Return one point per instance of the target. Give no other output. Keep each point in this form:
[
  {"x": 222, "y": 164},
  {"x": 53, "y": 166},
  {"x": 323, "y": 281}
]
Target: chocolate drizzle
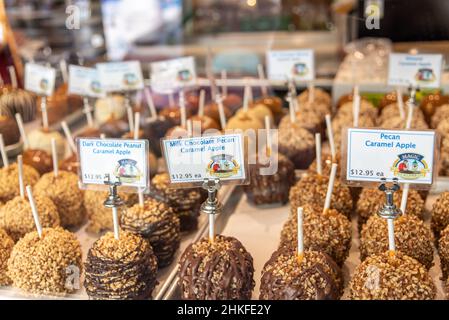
[
  {"x": 316, "y": 277},
  {"x": 133, "y": 277},
  {"x": 222, "y": 270}
]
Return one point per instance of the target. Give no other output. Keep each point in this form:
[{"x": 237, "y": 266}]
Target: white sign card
[
  {"x": 84, "y": 82},
  {"x": 373, "y": 154},
  {"x": 40, "y": 79},
  {"x": 191, "y": 160},
  {"x": 298, "y": 65},
  {"x": 121, "y": 76},
  {"x": 171, "y": 75},
  {"x": 124, "y": 160},
  {"x": 423, "y": 70}
]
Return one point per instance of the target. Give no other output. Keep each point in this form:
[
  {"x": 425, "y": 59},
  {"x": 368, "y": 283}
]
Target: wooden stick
[
  {"x": 319, "y": 167},
  {"x": 55, "y": 157},
  {"x": 224, "y": 87},
  {"x": 221, "y": 112},
  {"x": 136, "y": 125},
  {"x": 23, "y": 134},
  {"x": 391, "y": 241},
  {"x": 13, "y": 76},
  {"x": 400, "y": 103},
  {"x": 3, "y": 152},
  {"x": 262, "y": 79},
  {"x": 69, "y": 136},
  {"x": 129, "y": 110},
  {"x": 330, "y": 135},
  {"x": 330, "y": 188},
  {"x": 269, "y": 138},
  {"x": 182, "y": 105},
  {"x": 34, "y": 211},
  {"x": 202, "y": 102},
  {"x": 300, "y": 230},
  {"x": 21, "y": 184},
  {"x": 44, "y": 112},
  {"x": 87, "y": 111},
  {"x": 150, "y": 103}
]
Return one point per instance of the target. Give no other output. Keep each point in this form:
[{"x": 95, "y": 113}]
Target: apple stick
[
  {"x": 292, "y": 109},
  {"x": 269, "y": 139},
  {"x": 44, "y": 112},
  {"x": 391, "y": 241},
  {"x": 246, "y": 98},
  {"x": 64, "y": 72},
  {"x": 13, "y": 76},
  {"x": 136, "y": 125},
  {"x": 19, "y": 120},
  {"x": 262, "y": 78},
  {"x": 68, "y": 136},
  {"x": 182, "y": 105},
  {"x": 311, "y": 90},
  {"x": 189, "y": 128},
  {"x": 129, "y": 110},
  {"x": 211, "y": 228},
  {"x": 400, "y": 103},
  {"x": 330, "y": 135},
  {"x": 319, "y": 168},
  {"x": 34, "y": 211},
  {"x": 88, "y": 113},
  {"x": 150, "y": 103},
  {"x": 221, "y": 112},
  {"x": 102, "y": 136},
  {"x": 141, "y": 198},
  {"x": 54, "y": 155},
  {"x": 3, "y": 152},
  {"x": 300, "y": 233},
  {"x": 202, "y": 102},
  {"x": 116, "y": 223},
  {"x": 330, "y": 188},
  {"x": 411, "y": 108},
  {"x": 21, "y": 185},
  {"x": 224, "y": 79}
]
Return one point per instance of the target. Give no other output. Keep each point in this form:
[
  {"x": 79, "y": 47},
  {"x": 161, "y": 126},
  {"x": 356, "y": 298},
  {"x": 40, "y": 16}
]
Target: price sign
[
  {"x": 40, "y": 79},
  {"x": 171, "y": 75},
  {"x": 124, "y": 160},
  {"x": 84, "y": 82},
  {"x": 121, "y": 76},
  {"x": 423, "y": 70},
  {"x": 373, "y": 154},
  {"x": 191, "y": 160},
  {"x": 298, "y": 65}
]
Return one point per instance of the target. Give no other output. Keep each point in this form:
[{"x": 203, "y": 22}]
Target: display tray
[
  {"x": 165, "y": 276},
  {"x": 251, "y": 225}
]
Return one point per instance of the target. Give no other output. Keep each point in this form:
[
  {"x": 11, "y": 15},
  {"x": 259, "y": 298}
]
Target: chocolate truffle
[
  {"x": 314, "y": 276},
  {"x": 219, "y": 270},
  {"x": 40, "y": 160},
  {"x": 100, "y": 217},
  {"x": 185, "y": 202},
  {"x": 9, "y": 130},
  {"x": 297, "y": 144},
  {"x": 328, "y": 232},
  {"x": 41, "y": 140},
  {"x": 413, "y": 238},
  {"x": 9, "y": 180},
  {"x": 270, "y": 188},
  {"x": 443, "y": 251},
  {"x": 6, "y": 245},
  {"x": 156, "y": 222},
  {"x": 372, "y": 200},
  {"x": 391, "y": 277},
  {"x": 440, "y": 214},
  {"x": 123, "y": 269},
  {"x": 16, "y": 217},
  {"x": 63, "y": 190},
  {"x": 44, "y": 265},
  {"x": 312, "y": 189}
]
